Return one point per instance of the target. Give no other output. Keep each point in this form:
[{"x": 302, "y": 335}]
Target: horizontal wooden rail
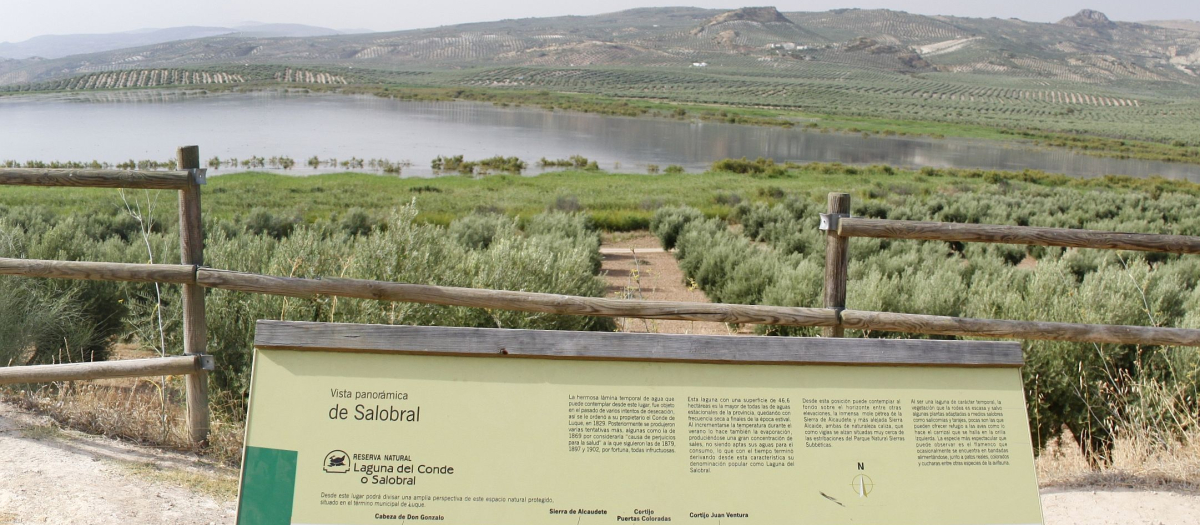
[
  {"x": 153, "y": 180},
  {"x": 728, "y": 313},
  {"x": 1006, "y": 329},
  {"x": 520, "y": 301},
  {"x": 157, "y": 366},
  {"x": 100, "y": 271},
  {"x": 562, "y": 344},
  {"x": 602, "y": 307},
  {"x": 949, "y": 231}
]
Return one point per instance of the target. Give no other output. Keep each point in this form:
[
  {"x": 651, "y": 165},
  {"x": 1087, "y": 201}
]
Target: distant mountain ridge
[
  {"x": 1087, "y": 47},
  {"x": 1185, "y": 25},
  {"x": 58, "y": 46}
]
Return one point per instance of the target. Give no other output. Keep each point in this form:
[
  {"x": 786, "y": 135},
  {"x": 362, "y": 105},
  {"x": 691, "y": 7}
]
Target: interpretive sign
[{"x": 365, "y": 424}]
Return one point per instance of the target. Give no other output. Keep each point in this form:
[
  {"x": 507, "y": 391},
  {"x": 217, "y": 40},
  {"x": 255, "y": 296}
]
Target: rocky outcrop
[
  {"x": 761, "y": 15},
  {"x": 1088, "y": 19}
]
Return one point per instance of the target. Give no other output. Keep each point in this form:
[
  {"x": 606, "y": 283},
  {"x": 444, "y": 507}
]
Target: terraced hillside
[
  {"x": 1085, "y": 74},
  {"x": 1086, "y": 47}
]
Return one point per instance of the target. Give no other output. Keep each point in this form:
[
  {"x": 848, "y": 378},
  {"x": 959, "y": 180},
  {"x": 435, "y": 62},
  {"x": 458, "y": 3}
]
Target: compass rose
[{"x": 862, "y": 485}]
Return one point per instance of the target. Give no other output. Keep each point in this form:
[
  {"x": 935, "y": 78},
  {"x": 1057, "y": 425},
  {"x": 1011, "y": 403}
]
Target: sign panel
[{"x": 365, "y": 438}]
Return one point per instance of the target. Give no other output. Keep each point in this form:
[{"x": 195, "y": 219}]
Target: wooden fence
[
  {"x": 840, "y": 227},
  {"x": 187, "y": 179},
  {"x": 834, "y": 318}
]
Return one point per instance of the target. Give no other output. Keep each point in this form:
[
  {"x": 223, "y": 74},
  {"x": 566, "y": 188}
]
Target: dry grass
[
  {"x": 143, "y": 411},
  {"x": 1137, "y": 463},
  {"x": 1157, "y": 445},
  {"x": 42, "y": 432},
  {"x": 219, "y": 487}
]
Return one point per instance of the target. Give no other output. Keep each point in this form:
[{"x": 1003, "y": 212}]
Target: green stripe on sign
[{"x": 268, "y": 487}]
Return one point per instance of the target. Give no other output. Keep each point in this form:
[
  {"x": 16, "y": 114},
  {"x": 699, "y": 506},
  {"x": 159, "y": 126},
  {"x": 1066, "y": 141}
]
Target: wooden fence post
[
  {"x": 195, "y": 326},
  {"x": 837, "y": 260}
]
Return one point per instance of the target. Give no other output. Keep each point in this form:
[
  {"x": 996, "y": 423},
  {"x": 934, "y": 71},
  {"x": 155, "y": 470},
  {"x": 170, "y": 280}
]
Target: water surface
[{"x": 119, "y": 126}]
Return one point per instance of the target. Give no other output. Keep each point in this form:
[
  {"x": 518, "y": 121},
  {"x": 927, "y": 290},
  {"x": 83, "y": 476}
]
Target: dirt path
[
  {"x": 48, "y": 475},
  {"x": 637, "y": 268}
]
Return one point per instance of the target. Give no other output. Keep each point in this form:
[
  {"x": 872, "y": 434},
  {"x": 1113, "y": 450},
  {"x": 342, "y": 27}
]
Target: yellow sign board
[{"x": 364, "y": 438}]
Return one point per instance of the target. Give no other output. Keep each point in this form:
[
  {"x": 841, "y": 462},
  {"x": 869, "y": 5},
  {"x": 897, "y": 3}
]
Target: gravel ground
[
  {"x": 48, "y": 475},
  {"x": 1103, "y": 506}
]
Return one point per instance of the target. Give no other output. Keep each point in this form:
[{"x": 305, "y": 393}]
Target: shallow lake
[{"x": 113, "y": 127}]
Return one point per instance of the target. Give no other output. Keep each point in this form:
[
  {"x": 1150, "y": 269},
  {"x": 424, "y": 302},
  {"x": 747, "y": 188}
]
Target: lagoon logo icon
[{"x": 337, "y": 462}]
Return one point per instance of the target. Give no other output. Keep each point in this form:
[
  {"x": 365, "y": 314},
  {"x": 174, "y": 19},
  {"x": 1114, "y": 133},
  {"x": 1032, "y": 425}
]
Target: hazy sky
[{"x": 22, "y": 19}]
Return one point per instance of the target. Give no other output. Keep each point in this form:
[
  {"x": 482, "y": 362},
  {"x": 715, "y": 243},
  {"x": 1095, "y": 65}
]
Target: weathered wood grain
[
  {"x": 772, "y": 315},
  {"x": 569, "y": 305},
  {"x": 947, "y": 231},
  {"x": 157, "y": 366},
  {"x": 99, "y": 271},
  {"x": 837, "y": 263},
  {"x": 520, "y": 301},
  {"x": 195, "y": 324},
  {"x": 153, "y": 180},
  {"x": 628, "y": 346},
  {"x": 997, "y": 328}
]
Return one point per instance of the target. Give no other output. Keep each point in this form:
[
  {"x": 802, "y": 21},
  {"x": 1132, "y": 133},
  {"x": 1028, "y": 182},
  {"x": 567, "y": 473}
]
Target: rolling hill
[{"x": 1086, "y": 47}]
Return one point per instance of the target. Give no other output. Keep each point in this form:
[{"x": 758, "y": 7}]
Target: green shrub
[
  {"x": 727, "y": 199},
  {"x": 620, "y": 220},
  {"x": 566, "y": 203},
  {"x": 499, "y": 164},
  {"x": 82, "y": 316},
  {"x": 556, "y": 256},
  {"x": 577, "y": 227},
  {"x": 59, "y": 320},
  {"x": 357, "y": 221},
  {"x": 771, "y": 192},
  {"x": 760, "y": 166},
  {"x": 452, "y": 164},
  {"x": 667, "y": 223},
  {"x": 787, "y": 227},
  {"x": 263, "y": 222},
  {"x": 41, "y": 326},
  {"x": 478, "y": 231},
  {"x": 749, "y": 278},
  {"x": 801, "y": 286},
  {"x": 578, "y": 162}
]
